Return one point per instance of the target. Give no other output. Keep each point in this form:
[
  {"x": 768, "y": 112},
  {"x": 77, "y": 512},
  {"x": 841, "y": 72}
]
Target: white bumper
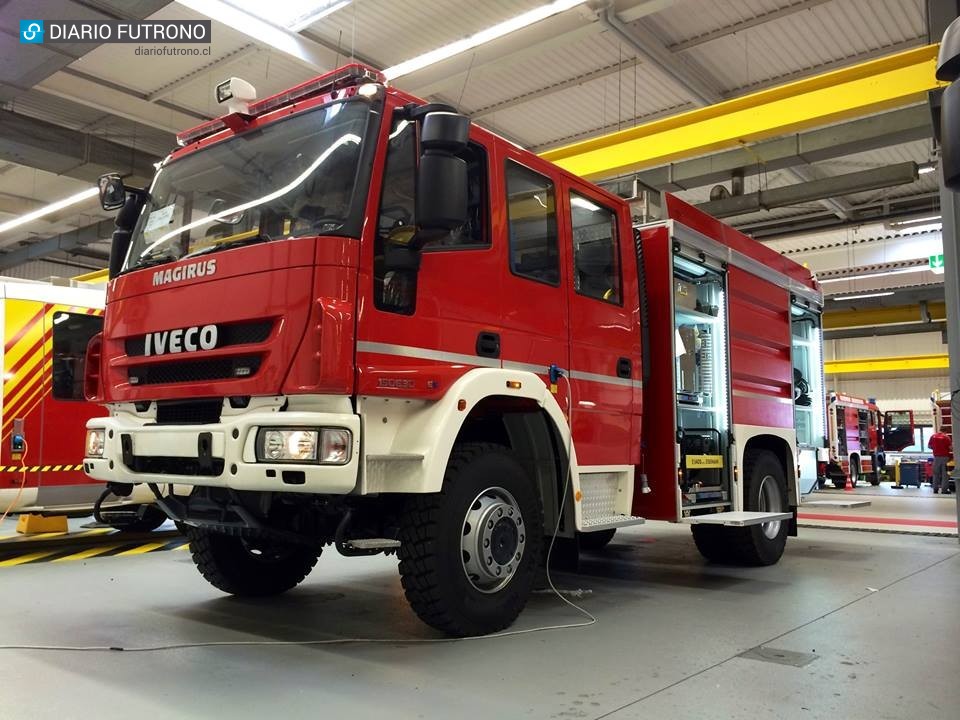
[{"x": 231, "y": 443}]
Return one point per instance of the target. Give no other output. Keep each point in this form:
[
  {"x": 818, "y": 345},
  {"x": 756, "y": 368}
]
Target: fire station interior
[{"x": 806, "y": 144}]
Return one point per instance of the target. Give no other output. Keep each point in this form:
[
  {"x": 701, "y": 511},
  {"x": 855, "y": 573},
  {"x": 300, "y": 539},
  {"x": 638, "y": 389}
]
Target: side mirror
[
  {"x": 123, "y": 231},
  {"x": 948, "y": 68},
  {"x": 113, "y": 193},
  {"x": 441, "y": 174}
]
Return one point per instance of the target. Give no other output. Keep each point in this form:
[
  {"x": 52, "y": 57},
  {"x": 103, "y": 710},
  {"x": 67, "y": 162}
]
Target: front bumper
[{"x": 219, "y": 454}]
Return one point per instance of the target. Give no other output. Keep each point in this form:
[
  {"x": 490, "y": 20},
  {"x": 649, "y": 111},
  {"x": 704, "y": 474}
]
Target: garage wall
[
  {"x": 44, "y": 269},
  {"x": 892, "y": 392}
]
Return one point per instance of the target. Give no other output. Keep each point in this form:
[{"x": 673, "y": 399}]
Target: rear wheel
[
  {"x": 250, "y": 567},
  {"x": 765, "y": 490},
  {"x": 469, "y": 554},
  {"x": 596, "y": 540}
]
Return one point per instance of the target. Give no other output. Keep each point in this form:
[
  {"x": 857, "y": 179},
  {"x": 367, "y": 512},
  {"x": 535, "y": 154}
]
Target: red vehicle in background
[
  {"x": 346, "y": 317},
  {"x": 860, "y": 435}
]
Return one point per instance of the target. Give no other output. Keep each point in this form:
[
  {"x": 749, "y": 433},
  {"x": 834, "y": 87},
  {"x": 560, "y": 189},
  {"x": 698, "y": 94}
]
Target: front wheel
[
  {"x": 469, "y": 554},
  {"x": 249, "y": 567}
]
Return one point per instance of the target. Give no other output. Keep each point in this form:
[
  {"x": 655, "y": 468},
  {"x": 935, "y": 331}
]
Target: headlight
[
  {"x": 94, "y": 443},
  {"x": 304, "y": 445}
]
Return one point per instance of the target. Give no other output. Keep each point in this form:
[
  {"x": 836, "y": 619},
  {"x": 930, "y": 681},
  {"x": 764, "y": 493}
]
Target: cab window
[
  {"x": 71, "y": 334},
  {"x": 532, "y": 215},
  {"x": 596, "y": 255}
]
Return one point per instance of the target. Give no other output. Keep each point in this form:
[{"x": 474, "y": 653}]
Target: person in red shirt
[{"x": 940, "y": 445}]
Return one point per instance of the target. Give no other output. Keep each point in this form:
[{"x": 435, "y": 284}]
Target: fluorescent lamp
[
  {"x": 484, "y": 36},
  {"x": 926, "y": 168},
  {"x": 898, "y": 271},
  {"x": 584, "y": 204},
  {"x": 294, "y": 15},
  {"x": 262, "y": 31},
  {"x": 48, "y": 209},
  {"x": 913, "y": 221},
  {"x": 860, "y": 297}
]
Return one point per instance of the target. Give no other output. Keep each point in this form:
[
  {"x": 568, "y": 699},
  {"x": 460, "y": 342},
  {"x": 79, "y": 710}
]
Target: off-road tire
[
  {"x": 233, "y": 565},
  {"x": 594, "y": 541},
  {"x": 748, "y": 545},
  {"x": 432, "y": 569}
]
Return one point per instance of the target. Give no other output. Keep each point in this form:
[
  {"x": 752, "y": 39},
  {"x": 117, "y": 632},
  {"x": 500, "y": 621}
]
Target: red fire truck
[
  {"x": 46, "y": 327},
  {"x": 340, "y": 315},
  {"x": 860, "y": 435}
]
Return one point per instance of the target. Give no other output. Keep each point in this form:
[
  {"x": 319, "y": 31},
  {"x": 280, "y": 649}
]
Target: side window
[
  {"x": 596, "y": 255},
  {"x": 532, "y": 215},
  {"x": 395, "y": 290},
  {"x": 71, "y": 334}
]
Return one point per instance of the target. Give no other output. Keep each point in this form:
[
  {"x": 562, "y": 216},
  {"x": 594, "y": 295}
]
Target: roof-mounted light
[{"x": 352, "y": 75}]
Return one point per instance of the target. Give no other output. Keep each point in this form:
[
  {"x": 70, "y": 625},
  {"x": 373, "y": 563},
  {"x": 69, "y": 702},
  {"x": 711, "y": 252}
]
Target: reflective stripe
[
  {"x": 761, "y": 396},
  {"x": 457, "y": 358},
  {"x": 609, "y": 379},
  {"x": 426, "y": 354}
]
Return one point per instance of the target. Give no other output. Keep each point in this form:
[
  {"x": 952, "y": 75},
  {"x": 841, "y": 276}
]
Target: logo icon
[{"x": 31, "y": 31}]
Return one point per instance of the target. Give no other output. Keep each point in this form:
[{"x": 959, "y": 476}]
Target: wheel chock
[{"x": 30, "y": 524}]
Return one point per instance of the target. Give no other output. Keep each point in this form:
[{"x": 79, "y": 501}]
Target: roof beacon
[{"x": 236, "y": 94}]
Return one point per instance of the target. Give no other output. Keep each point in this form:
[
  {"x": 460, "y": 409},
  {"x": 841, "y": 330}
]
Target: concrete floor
[
  {"x": 878, "y": 611},
  {"x": 913, "y": 510}
]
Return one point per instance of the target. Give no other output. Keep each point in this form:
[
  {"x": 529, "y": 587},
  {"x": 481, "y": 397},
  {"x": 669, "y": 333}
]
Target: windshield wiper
[{"x": 239, "y": 242}]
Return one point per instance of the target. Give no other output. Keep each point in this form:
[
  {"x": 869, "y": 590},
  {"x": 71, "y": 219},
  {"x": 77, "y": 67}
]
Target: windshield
[{"x": 293, "y": 178}]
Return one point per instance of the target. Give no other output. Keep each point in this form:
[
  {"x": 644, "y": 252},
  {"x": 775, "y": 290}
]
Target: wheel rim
[
  {"x": 770, "y": 500},
  {"x": 492, "y": 540}
]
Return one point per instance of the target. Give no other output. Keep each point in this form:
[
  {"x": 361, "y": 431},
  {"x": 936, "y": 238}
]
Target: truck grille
[
  {"x": 194, "y": 370},
  {"x": 236, "y": 334},
  {"x": 189, "y": 412}
]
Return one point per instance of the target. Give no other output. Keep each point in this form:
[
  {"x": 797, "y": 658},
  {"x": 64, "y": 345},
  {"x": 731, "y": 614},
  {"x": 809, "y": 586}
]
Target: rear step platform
[
  {"x": 610, "y": 522},
  {"x": 738, "y": 518}
]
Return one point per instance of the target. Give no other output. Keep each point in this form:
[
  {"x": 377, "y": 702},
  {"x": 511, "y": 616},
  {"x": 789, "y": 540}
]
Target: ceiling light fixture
[
  {"x": 913, "y": 221},
  {"x": 294, "y": 15},
  {"x": 484, "y": 36},
  {"x": 898, "y": 271},
  {"x": 925, "y": 168},
  {"x": 48, "y": 209},
  {"x": 861, "y": 297}
]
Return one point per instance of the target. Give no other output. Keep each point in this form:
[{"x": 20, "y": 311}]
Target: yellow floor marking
[
  {"x": 89, "y": 552},
  {"x": 26, "y": 558},
  {"x": 143, "y": 548},
  {"x": 185, "y": 546}
]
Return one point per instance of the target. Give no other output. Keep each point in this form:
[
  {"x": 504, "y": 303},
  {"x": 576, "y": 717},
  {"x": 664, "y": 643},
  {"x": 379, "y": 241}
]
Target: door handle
[
  {"x": 624, "y": 368},
  {"x": 488, "y": 344}
]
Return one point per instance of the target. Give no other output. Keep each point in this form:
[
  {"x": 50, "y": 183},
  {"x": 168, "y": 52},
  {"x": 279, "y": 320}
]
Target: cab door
[
  {"x": 604, "y": 337},
  {"x": 897, "y": 430},
  {"x": 64, "y": 409}
]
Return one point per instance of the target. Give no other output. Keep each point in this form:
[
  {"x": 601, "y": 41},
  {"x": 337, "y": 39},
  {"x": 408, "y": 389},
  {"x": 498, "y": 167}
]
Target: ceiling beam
[
  {"x": 742, "y": 25},
  {"x": 827, "y": 187},
  {"x": 64, "y": 242},
  {"x": 46, "y": 146},
  {"x": 561, "y": 31},
  {"x": 883, "y": 130},
  {"x": 685, "y": 73},
  {"x": 854, "y": 91},
  {"x": 556, "y": 87}
]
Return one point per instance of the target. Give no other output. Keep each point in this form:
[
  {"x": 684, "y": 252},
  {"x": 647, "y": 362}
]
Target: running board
[
  {"x": 610, "y": 522},
  {"x": 373, "y": 544},
  {"x": 738, "y": 518}
]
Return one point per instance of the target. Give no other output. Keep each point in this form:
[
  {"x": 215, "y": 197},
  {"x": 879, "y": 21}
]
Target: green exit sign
[{"x": 936, "y": 263}]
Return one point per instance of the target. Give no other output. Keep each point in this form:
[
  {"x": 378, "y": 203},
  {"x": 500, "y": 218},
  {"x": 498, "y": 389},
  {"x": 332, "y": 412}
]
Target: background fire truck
[
  {"x": 46, "y": 328},
  {"x": 340, "y": 316},
  {"x": 860, "y": 435}
]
